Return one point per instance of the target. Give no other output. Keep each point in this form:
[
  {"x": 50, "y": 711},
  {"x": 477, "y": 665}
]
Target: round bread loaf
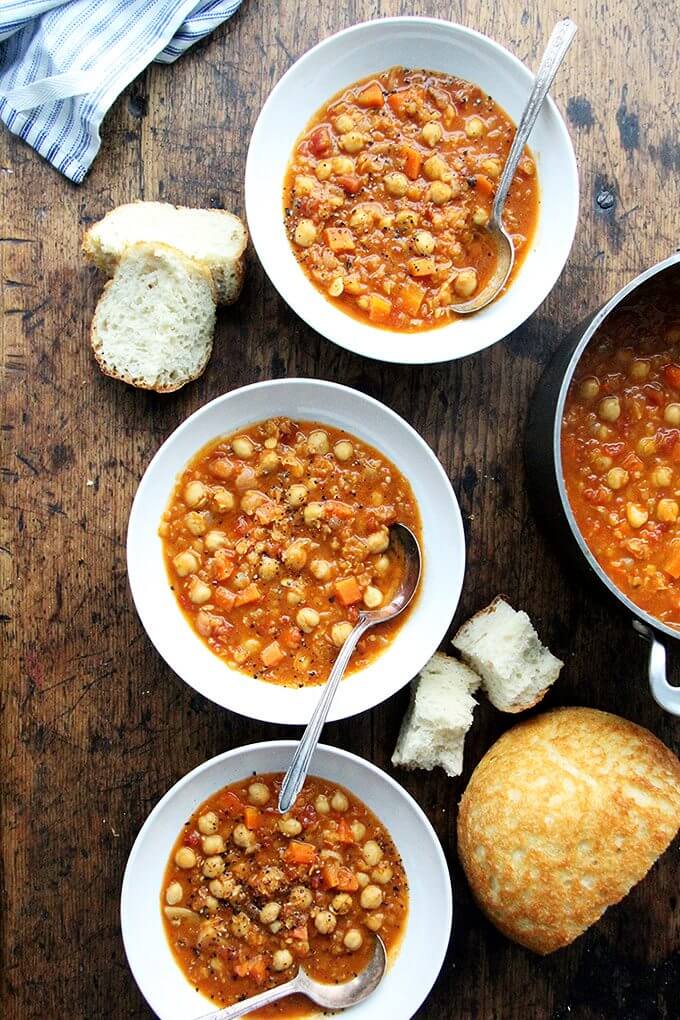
[{"x": 562, "y": 816}]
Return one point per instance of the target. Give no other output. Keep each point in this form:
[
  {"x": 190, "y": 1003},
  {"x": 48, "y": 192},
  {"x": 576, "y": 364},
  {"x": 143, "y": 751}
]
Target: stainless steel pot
[{"x": 544, "y": 464}]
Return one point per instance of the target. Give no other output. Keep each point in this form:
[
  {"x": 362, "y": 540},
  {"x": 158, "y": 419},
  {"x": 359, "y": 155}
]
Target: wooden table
[{"x": 94, "y": 725}]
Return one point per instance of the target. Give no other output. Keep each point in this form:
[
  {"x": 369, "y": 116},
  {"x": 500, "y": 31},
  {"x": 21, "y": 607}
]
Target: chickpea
[
  {"x": 353, "y": 940},
  {"x": 293, "y": 598},
  {"x": 215, "y": 540},
  {"x": 671, "y": 414},
  {"x": 340, "y": 632},
  {"x": 374, "y": 922},
  {"x": 638, "y": 369},
  {"x": 321, "y": 569},
  {"x": 601, "y": 462},
  {"x": 617, "y": 478},
  {"x": 213, "y": 866},
  {"x": 304, "y": 185},
  {"x": 342, "y": 903},
  {"x": 431, "y": 133},
  {"x": 406, "y": 219},
  {"x": 322, "y": 805},
  {"x": 609, "y": 409},
  {"x": 305, "y": 233},
  {"x": 336, "y": 287},
  {"x": 269, "y": 462},
  {"x": 185, "y": 858},
  {"x": 289, "y": 827},
  {"x": 360, "y": 219},
  {"x": 195, "y": 494},
  {"x": 436, "y": 169},
  {"x": 222, "y": 888},
  {"x": 243, "y": 837},
  {"x": 396, "y": 184},
  {"x": 325, "y": 922},
  {"x": 589, "y": 388},
  {"x": 243, "y": 447},
  {"x": 307, "y": 619},
  {"x": 474, "y": 127},
  {"x": 295, "y": 555},
  {"x": 382, "y": 565},
  {"x": 382, "y": 874},
  {"x": 223, "y": 499},
  {"x": 282, "y": 959},
  {"x": 269, "y": 913},
  {"x": 199, "y": 592},
  {"x": 343, "y": 123},
  {"x": 185, "y": 563},
  {"x": 342, "y": 165},
  {"x": 662, "y": 477},
  {"x": 372, "y": 597},
  {"x": 424, "y": 242},
  {"x": 258, "y": 794},
  {"x": 480, "y": 217},
  {"x": 212, "y": 844},
  {"x": 362, "y": 878},
  {"x": 465, "y": 283},
  {"x": 439, "y": 192},
  {"x": 323, "y": 170},
  {"x": 371, "y": 897},
  {"x": 492, "y": 167},
  {"x": 646, "y": 446},
  {"x": 173, "y": 894},
  {"x": 240, "y": 925},
  {"x": 268, "y": 568},
  {"x": 208, "y": 823},
  {"x": 372, "y": 853},
  {"x": 300, "y": 897},
  {"x": 216, "y": 964},
  {"x": 637, "y": 515},
  {"x": 195, "y": 523},
  {"x": 358, "y": 830},
  {"x": 339, "y": 801},
  {"x": 421, "y": 266},
  {"x": 318, "y": 442},
  {"x": 343, "y": 449},
  {"x": 667, "y": 510},
  {"x": 352, "y": 141},
  {"x": 378, "y": 541}
]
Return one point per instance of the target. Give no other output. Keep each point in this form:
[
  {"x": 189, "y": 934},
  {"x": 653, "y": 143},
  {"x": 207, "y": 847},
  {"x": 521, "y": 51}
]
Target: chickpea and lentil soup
[
  {"x": 275, "y": 537},
  {"x": 389, "y": 190},
  {"x": 249, "y": 894},
  {"x": 621, "y": 450}
]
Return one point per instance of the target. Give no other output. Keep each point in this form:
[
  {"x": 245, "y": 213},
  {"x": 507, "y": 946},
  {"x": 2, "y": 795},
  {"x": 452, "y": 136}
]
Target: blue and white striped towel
[{"x": 64, "y": 62}]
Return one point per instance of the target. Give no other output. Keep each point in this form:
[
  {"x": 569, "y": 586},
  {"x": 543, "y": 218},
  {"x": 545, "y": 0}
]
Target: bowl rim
[
  {"x": 342, "y": 334},
  {"x": 144, "y": 985},
  {"x": 361, "y": 702},
  {"x": 586, "y": 336}
]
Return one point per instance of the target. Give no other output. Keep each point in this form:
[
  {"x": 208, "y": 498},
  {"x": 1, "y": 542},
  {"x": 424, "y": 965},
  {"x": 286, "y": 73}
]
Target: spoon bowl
[{"x": 340, "y": 996}]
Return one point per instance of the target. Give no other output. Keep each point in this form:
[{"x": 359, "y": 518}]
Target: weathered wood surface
[{"x": 94, "y": 726}]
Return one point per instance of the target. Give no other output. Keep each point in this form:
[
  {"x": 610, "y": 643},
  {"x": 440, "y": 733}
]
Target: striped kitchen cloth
[{"x": 64, "y": 62}]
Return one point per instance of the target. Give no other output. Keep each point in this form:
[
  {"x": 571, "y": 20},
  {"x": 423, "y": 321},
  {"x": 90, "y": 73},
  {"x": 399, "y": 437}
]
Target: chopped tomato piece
[
  {"x": 255, "y": 968},
  {"x": 223, "y": 564},
  {"x": 231, "y": 804},
  {"x": 339, "y": 239},
  {"x": 412, "y": 161},
  {"x": 300, "y": 853},
  {"x": 330, "y": 872},
  {"x": 320, "y": 142},
  {"x": 300, "y": 933},
  {"x": 224, "y": 598},
  {"x": 348, "y": 591},
  {"x": 192, "y": 839},
  {"x": 344, "y": 833},
  {"x": 631, "y": 462},
  {"x": 272, "y": 654},
  {"x": 410, "y": 297},
  {"x": 349, "y": 182},
  {"x": 379, "y": 308},
  {"x": 672, "y": 564},
  {"x": 292, "y": 637},
  {"x": 371, "y": 97},
  {"x": 253, "y": 817},
  {"x": 672, "y": 375},
  {"x": 347, "y": 880},
  {"x": 336, "y": 508},
  {"x": 250, "y": 594}
]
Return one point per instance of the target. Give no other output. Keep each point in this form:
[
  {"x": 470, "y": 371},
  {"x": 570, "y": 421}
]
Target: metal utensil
[
  {"x": 340, "y": 996},
  {"x": 403, "y": 540},
  {"x": 558, "y": 44}
]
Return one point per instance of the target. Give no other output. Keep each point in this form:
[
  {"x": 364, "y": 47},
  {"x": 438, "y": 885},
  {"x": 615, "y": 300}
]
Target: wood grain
[{"x": 94, "y": 726}]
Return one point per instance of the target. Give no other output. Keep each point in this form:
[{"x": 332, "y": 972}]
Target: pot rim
[{"x": 587, "y": 336}]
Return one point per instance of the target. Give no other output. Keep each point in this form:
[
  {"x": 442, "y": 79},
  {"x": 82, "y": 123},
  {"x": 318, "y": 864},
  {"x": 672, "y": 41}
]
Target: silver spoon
[
  {"x": 558, "y": 44},
  {"x": 404, "y": 542},
  {"x": 340, "y": 996}
]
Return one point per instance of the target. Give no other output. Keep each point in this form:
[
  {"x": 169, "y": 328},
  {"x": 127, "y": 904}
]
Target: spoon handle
[
  {"x": 294, "y": 778},
  {"x": 255, "y": 1001},
  {"x": 558, "y": 44}
]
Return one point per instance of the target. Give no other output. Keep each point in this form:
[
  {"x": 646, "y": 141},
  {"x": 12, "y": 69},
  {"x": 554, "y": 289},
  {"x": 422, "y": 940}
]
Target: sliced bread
[
  {"x": 439, "y": 716},
  {"x": 153, "y": 325},
  {"x": 215, "y": 238},
  {"x": 500, "y": 644}
]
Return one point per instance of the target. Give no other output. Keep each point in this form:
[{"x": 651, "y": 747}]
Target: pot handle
[{"x": 666, "y": 695}]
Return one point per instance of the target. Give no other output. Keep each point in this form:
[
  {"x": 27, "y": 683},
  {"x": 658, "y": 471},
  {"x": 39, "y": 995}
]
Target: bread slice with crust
[
  {"x": 153, "y": 325},
  {"x": 439, "y": 716},
  {"x": 215, "y": 238},
  {"x": 500, "y": 644}
]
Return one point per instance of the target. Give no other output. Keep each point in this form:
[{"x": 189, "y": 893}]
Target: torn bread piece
[
  {"x": 500, "y": 644},
  {"x": 439, "y": 716}
]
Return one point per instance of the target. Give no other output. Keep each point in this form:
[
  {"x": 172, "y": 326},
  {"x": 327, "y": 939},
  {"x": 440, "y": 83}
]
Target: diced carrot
[
  {"x": 379, "y": 308},
  {"x": 672, "y": 564},
  {"x": 339, "y": 239},
  {"x": 371, "y": 97},
  {"x": 347, "y": 880},
  {"x": 397, "y": 102},
  {"x": 344, "y": 832},
  {"x": 224, "y": 598},
  {"x": 672, "y": 374},
  {"x": 330, "y": 872},
  {"x": 336, "y": 508},
  {"x": 250, "y": 594},
  {"x": 412, "y": 161},
  {"x": 231, "y": 804},
  {"x": 348, "y": 591},
  {"x": 300, "y": 853},
  {"x": 410, "y": 297},
  {"x": 253, "y": 817},
  {"x": 272, "y": 654},
  {"x": 349, "y": 182},
  {"x": 484, "y": 185}
]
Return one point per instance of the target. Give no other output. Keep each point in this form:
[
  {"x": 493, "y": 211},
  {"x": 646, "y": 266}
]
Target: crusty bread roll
[{"x": 562, "y": 816}]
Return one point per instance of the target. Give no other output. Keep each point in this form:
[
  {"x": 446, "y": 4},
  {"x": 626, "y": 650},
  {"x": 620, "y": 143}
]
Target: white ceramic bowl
[
  {"x": 443, "y": 548},
  {"x": 338, "y": 62},
  {"x": 413, "y": 969}
]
